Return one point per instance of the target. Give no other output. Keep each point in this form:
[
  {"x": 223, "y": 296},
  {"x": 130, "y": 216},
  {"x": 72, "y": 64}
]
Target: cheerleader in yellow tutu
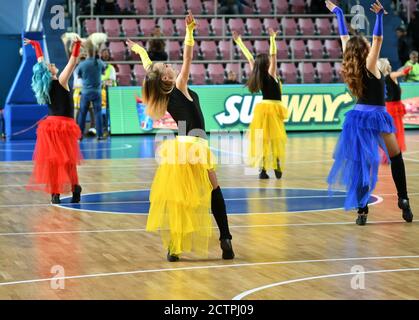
[
  {"x": 185, "y": 186},
  {"x": 267, "y": 136}
]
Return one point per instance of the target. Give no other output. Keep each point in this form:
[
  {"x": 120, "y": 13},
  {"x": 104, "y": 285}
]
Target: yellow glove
[
  {"x": 189, "y": 40},
  {"x": 243, "y": 48},
  {"x": 272, "y": 48},
  {"x": 143, "y": 54}
]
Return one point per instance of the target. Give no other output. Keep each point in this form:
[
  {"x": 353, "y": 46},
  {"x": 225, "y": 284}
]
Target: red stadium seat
[
  {"x": 298, "y": 49},
  {"x": 180, "y": 26},
  {"x": 333, "y": 48},
  {"x": 307, "y": 72},
  {"x": 167, "y": 27},
  {"x": 263, "y": 6},
  {"x": 288, "y": 73},
  {"x": 282, "y": 48},
  {"x": 117, "y": 49},
  {"x": 123, "y": 75},
  {"x": 209, "y": 7},
  {"x": 323, "y": 26},
  {"x": 280, "y": 6},
  {"x": 306, "y": 26},
  {"x": 92, "y": 26},
  {"x": 130, "y": 27},
  {"x": 195, "y": 6},
  {"x": 297, "y": 6},
  {"x": 338, "y": 68},
  {"x": 124, "y": 5},
  {"x": 176, "y": 6},
  {"x": 226, "y": 49},
  {"x": 216, "y": 73},
  {"x": 142, "y": 8},
  {"x": 235, "y": 67},
  {"x": 209, "y": 50},
  {"x": 203, "y": 28},
  {"x": 315, "y": 48},
  {"x": 139, "y": 73},
  {"x": 236, "y": 24},
  {"x": 271, "y": 23},
  {"x": 147, "y": 26},
  {"x": 217, "y": 27},
  {"x": 289, "y": 26},
  {"x": 160, "y": 7},
  {"x": 254, "y": 26},
  {"x": 198, "y": 73},
  {"x": 325, "y": 72},
  {"x": 173, "y": 50},
  {"x": 261, "y": 46}
]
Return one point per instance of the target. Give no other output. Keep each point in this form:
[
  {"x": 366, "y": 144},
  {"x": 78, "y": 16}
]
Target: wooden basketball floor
[{"x": 290, "y": 242}]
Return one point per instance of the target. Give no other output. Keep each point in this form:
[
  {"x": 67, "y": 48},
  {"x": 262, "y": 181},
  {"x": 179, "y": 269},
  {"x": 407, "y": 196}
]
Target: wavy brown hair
[
  {"x": 156, "y": 93},
  {"x": 259, "y": 72},
  {"x": 354, "y": 64}
]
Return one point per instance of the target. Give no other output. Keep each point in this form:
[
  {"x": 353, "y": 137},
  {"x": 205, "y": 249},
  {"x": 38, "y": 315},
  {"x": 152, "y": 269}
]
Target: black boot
[
  {"x": 55, "y": 198},
  {"x": 172, "y": 257},
  {"x": 407, "y": 212},
  {"x": 76, "y": 194},
  {"x": 227, "y": 248},
  {"x": 278, "y": 172},
  {"x": 263, "y": 174},
  {"x": 362, "y": 216}
]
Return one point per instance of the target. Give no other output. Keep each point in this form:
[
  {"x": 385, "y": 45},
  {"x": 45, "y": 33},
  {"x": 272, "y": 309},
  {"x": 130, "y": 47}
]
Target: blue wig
[{"x": 41, "y": 82}]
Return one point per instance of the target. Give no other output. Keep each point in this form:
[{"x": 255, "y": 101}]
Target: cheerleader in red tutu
[
  {"x": 57, "y": 152},
  {"x": 394, "y": 96}
]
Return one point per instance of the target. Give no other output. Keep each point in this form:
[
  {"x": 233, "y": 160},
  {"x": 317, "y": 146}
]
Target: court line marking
[
  {"x": 325, "y": 276},
  {"x": 311, "y": 224},
  {"x": 238, "y": 265},
  {"x": 124, "y": 147}
]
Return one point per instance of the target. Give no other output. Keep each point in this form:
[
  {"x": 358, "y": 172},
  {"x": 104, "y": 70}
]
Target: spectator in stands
[
  {"x": 2, "y": 131},
  {"x": 318, "y": 7},
  {"x": 413, "y": 76},
  {"x": 108, "y": 80},
  {"x": 402, "y": 45},
  {"x": 413, "y": 30},
  {"x": 156, "y": 46},
  {"x": 231, "y": 78},
  {"x": 107, "y": 7},
  {"x": 90, "y": 71},
  {"x": 232, "y": 6}
]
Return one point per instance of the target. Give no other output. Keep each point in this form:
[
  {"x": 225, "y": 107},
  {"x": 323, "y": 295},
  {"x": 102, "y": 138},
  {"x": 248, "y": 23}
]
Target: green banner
[{"x": 310, "y": 107}]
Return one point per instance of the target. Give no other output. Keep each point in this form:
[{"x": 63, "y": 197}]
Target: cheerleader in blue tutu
[{"x": 368, "y": 125}]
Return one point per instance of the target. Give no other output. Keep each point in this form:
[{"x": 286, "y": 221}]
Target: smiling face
[{"x": 168, "y": 73}]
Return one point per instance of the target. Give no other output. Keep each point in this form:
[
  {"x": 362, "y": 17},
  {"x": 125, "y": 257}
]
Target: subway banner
[{"x": 230, "y": 107}]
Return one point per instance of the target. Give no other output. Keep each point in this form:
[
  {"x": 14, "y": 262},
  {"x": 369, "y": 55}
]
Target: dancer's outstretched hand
[
  {"x": 190, "y": 21},
  {"x": 272, "y": 32},
  {"x": 236, "y": 36},
  {"x": 26, "y": 41},
  {"x": 130, "y": 43},
  {"x": 377, "y": 7},
  {"x": 330, "y": 5}
]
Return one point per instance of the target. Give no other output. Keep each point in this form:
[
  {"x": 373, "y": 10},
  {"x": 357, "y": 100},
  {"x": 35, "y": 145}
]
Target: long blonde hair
[
  {"x": 156, "y": 93},
  {"x": 354, "y": 65},
  {"x": 384, "y": 66}
]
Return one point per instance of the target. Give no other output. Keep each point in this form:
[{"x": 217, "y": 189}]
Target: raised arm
[
  {"x": 401, "y": 73},
  {"x": 343, "y": 30},
  {"x": 183, "y": 77},
  {"x": 135, "y": 47},
  {"x": 272, "y": 54},
  {"x": 37, "y": 46},
  {"x": 377, "y": 41},
  {"x": 238, "y": 40},
  {"x": 71, "y": 65}
]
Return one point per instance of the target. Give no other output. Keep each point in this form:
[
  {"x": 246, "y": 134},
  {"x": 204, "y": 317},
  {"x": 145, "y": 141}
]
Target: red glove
[
  {"x": 407, "y": 70},
  {"x": 37, "y": 46},
  {"x": 76, "y": 49}
]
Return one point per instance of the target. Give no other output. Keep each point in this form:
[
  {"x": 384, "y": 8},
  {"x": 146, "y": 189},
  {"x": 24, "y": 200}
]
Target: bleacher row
[
  {"x": 315, "y": 39},
  {"x": 162, "y": 7},
  {"x": 215, "y": 73}
]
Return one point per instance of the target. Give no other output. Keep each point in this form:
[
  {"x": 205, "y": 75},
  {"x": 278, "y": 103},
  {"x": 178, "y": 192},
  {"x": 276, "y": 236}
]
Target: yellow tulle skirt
[
  {"x": 180, "y": 196},
  {"x": 267, "y": 136}
]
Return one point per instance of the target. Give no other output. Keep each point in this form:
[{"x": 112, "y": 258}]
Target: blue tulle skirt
[{"x": 357, "y": 156}]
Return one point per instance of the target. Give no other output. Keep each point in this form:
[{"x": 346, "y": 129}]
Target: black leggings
[{"x": 219, "y": 211}]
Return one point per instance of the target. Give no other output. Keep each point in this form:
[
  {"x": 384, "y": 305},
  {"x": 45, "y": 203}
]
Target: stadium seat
[
  {"x": 147, "y": 26},
  {"x": 160, "y": 7},
  {"x": 216, "y": 73},
  {"x": 323, "y": 26},
  {"x": 226, "y": 49},
  {"x": 271, "y": 23},
  {"x": 203, "y": 28},
  {"x": 123, "y": 74},
  {"x": 261, "y": 46},
  {"x": 282, "y": 49},
  {"x": 209, "y": 7},
  {"x": 173, "y": 50},
  {"x": 254, "y": 26},
  {"x": 297, "y": 6},
  {"x": 280, "y": 6},
  {"x": 198, "y": 73},
  {"x": 195, "y": 6},
  {"x": 124, "y": 5},
  {"x": 298, "y": 49},
  {"x": 117, "y": 49},
  {"x": 333, "y": 49},
  {"x": 325, "y": 72},
  {"x": 167, "y": 27},
  {"x": 139, "y": 73},
  {"x": 315, "y": 48},
  {"x": 289, "y": 26},
  {"x": 111, "y": 27},
  {"x": 289, "y": 73},
  {"x": 307, "y": 72},
  {"x": 177, "y": 7},
  {"x": 306, "y": 26},
  {"x": 180, "y": 26},
  {"x": 235, "y": 67},
  {"x": 141, "y": 8},
  {"x": 217, "y": 27},
  {"x": 337, "y": 68},
  {"x": 236, "y": 24},
  {"x": 130, "y": 27},
  {"x": 263, "y": 6},
  {"x": 92, "y": 25},
  {"x": 209, "y": 50}
]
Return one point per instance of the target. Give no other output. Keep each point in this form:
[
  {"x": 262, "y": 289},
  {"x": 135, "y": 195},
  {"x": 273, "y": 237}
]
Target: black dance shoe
[
  {"x": 76, "y": 194},
  {"x": 407, "y": 212},
  {"x": 172, "y": 257},
  {"x": 263, "y": 174},
  {"x": 278, "y": 174},
  {"x": 227, "y": 248},
  {"x": 55, "y": 198},
  {"x": 362, "y": 216}
]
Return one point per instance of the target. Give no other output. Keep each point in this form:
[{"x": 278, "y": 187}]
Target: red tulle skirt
[
  {"x": 56, "y": 156},
  {"x": 397, "y": 110}
]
